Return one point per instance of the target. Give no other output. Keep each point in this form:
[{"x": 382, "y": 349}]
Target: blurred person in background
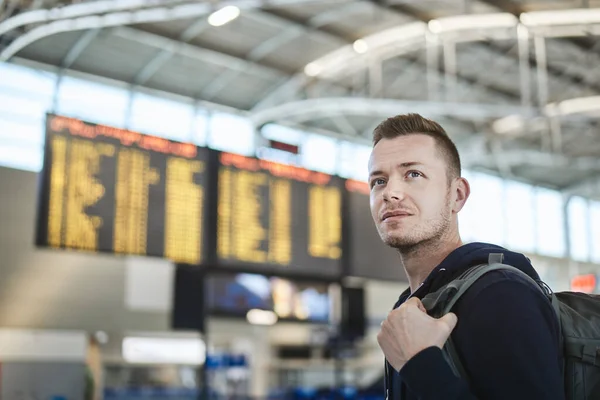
[
  {"x": 504, "y": 329},
  {"x": 94, "y": 370}
]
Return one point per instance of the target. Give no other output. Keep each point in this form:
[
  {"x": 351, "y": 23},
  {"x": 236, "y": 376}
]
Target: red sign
[
  {"x": 290, "y": 148},
  {"x": 584, "y": 283}
]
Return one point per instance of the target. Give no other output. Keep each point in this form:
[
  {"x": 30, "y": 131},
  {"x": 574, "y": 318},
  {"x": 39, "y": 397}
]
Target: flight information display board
[
  {"x": 367, "y": 256},
  {"x": 111, "y": 190},
  {"x": 278, "y": 218}
]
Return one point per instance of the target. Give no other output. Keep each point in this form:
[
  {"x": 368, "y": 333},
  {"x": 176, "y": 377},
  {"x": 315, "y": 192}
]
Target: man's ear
[{"x": 462, "y": 190}]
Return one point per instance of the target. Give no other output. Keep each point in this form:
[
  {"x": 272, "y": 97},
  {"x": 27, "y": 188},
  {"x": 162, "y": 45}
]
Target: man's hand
[{"x": 408, "y": 330}]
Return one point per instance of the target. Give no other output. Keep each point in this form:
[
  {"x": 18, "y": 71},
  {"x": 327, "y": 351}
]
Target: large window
[
  {"x": 519, "y": 203},
  {"x": 231, "y": 133},
  {"x": 24, "y": 106},
  {"x": 161, "y": 117},
  {"x": 481, "y": 218},
  {"x": 21, "y": 144},
  {"x": 467, "y": 216},
  {"x": 578, "y": 229},
  {"x": 282, "y": 134},
  {"x": 550, "y": 223},
  {"x": 36, "y": 83},
  {"x": 319, "y": 153},
  {"x": 487, "y": 198},
  {"x": 595, "y": 231},
  {"x": 354, "y": 160},
  {"x": 25, "y": 97},
  {"x": 92, "y": 101}
]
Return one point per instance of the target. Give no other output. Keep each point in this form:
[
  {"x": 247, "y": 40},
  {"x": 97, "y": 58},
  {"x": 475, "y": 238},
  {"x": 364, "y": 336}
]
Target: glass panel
[
  {"x": 40, "y": 83},
  {"x": 28, "y": 158},
  {"x": 92, "y": 102},
  {"x": 520, "y": 216},
  {"x": 232, "y": 133},
  {"x": 319, "y": 153},
  {"x": 18, "y": 132},
  {"x": 161, "y": 117},
  {"x": 595, "y": 231},
  {"x": 19, "y": 105},
  {"x": 578, "y": 229},
  {"x": 200, "y": 128},
  {"x": 354, "y": 160},
  {"x": 487, "y": 199},
  {"x": 467, "y": 216},
  {"x": 550, "y": 223},
  {"x": 282, "y": 134}
]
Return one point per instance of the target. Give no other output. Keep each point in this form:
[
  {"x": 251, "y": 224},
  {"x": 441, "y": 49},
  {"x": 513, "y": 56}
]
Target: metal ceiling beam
[
  {"x": 325, "y": 107},
  {"x": 292, "y": 31},
  {"x": 307, "y": 27},
  {"x": 516, "y": 9},
  {"x": 587, "y": 188},
  {"x": 299, "y": 81},
  {"x": 343, "y": 125},
  {"x": 426, "y": 17},
  {"x": 331, "y": 16},
  {"x": 198, "y": 53},
  {"x": 76, "y": 10},
  {"x": 356, "y": 59},
  {"x": 217, "y": 84},
  {"x": 270, "y": 45},
  {"x": 164, "y": 55},
  {"x": 152, "y": 8},
  {"x": 115, "y": 13},
  {"x": 80, "y": 45}
]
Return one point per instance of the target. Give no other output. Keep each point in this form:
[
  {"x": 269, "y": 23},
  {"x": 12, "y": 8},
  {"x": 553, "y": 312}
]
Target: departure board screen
[
  {"x": 111, "y": 190},
  {"x": 368, "y": 256},
  {"x": 275, "y": 217}
]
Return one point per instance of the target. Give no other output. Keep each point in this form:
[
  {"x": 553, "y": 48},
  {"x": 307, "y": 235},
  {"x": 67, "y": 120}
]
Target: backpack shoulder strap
[
  {"x": 440, "y": 303},
  {"x": 447, "y": 296}
]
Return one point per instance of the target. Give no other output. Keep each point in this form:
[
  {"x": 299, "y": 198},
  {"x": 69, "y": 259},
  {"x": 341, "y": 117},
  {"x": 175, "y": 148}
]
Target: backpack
[{"x": 578, "y": 316}]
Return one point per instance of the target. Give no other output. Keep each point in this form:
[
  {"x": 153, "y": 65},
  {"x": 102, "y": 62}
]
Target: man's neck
[{"x": 420, "y": 260}]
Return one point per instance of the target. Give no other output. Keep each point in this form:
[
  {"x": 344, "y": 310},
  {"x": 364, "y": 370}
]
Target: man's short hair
[{"x": 412, "y": 124}]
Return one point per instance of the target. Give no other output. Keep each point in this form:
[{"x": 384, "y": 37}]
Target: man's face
[{"x": 411, "y": 200}]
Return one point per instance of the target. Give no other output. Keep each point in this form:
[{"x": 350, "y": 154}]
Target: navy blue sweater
[{"x": 507, "y": 337}]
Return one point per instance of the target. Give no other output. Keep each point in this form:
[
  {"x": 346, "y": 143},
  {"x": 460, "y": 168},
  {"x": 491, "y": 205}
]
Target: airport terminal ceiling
[{"x": 515, "y": 83}]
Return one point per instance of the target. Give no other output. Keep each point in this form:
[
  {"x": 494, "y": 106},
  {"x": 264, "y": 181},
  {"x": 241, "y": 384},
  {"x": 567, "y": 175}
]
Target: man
[{"x": 504, "y": 329}]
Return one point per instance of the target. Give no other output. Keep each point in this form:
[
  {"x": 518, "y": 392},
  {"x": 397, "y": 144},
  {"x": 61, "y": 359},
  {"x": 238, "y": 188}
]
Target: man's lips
[{"x": 395, "y": 214}]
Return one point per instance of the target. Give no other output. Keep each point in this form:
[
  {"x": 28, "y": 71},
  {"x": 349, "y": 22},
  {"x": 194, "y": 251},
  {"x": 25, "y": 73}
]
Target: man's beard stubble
[{"x": 428, "y": 234}]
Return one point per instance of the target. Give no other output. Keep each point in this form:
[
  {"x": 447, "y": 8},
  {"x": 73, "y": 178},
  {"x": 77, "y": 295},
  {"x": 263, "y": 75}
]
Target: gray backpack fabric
[{"x": 578, "y": 316}]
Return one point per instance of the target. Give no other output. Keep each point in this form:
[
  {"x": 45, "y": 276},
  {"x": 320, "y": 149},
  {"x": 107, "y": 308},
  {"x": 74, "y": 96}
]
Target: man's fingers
[
  {"x": 415, "y": 301},
  {"x": 450, "y": 320}
]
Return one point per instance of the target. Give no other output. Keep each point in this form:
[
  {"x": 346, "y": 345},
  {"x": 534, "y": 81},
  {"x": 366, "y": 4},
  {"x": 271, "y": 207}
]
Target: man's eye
[
  {"x": 414, "y": 174},
  {"x": 376, "y": 182}
]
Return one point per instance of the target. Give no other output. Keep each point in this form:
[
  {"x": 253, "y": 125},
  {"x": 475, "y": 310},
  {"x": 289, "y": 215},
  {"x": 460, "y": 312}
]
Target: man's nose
[{"x": 394, "y": 191}]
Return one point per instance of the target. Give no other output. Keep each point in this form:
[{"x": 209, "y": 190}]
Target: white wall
[{"x": 49, "y": 289}]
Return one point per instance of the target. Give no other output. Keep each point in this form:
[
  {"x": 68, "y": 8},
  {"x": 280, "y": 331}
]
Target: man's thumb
[{"x": 450, "y": 319}]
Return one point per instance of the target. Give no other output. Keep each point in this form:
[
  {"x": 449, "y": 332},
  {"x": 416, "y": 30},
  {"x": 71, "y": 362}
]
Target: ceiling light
[
  {"x": 434, "y": 26},
  {"x": 162, "y": 350},
  {"x": 312, "y": 69},
  {"x": 579, "y": 16},
  {"x": 223, "y": 16},
  {"x": 508, "y": 124},
  {"x": 579, "y": 105},
  {"x": 261, "y": 317},
  {"x": 360, "y": 46},
  {"x": 473, "y": 21}
]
